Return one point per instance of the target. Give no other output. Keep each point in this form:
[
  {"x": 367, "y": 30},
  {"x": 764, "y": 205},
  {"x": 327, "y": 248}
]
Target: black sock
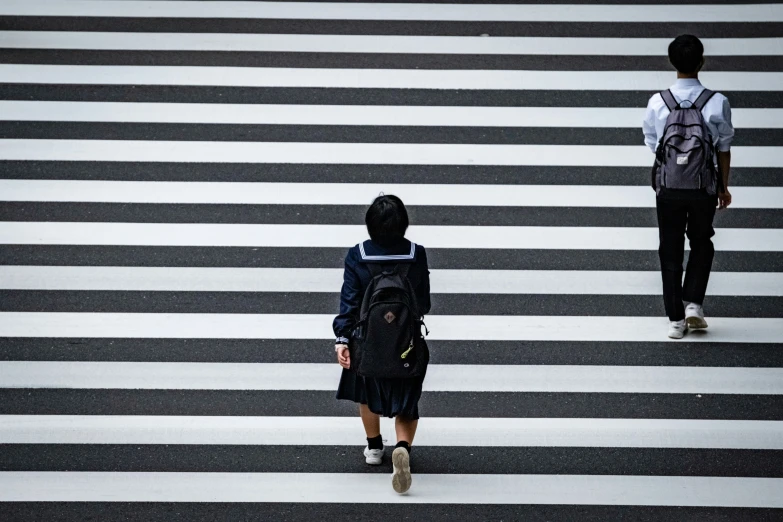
[
  {"x": 403, "y": 444},
  {"x": 375, "y": 442}
]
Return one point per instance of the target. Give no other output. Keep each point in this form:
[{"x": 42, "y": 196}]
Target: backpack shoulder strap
[
  {"x": 669, "y": 100},
  {"x": 703, "y": 98},
  {"x": 403, "y": 269}
]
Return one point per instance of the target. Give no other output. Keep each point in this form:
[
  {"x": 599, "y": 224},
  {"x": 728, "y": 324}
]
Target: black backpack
[
  {"x": 387, "y": 342},
  {"x": 685, "y": 155}
]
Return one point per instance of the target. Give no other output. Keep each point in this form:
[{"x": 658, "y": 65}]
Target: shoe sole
[
  {"x": 696, "y": 323},
  {"x": 401, "y": 479}
]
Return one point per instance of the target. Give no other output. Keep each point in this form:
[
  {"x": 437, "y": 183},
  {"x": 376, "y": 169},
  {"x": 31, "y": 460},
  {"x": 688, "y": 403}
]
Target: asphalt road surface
[{"x": 180, "y": 181}]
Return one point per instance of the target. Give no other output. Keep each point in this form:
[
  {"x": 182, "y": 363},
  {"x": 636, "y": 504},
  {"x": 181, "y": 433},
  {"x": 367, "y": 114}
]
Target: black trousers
[{"x": 678, "y": 216}]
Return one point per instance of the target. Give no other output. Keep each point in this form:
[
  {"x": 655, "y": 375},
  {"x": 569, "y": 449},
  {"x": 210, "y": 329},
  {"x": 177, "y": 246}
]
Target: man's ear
[{"x": 700, "y": 65}]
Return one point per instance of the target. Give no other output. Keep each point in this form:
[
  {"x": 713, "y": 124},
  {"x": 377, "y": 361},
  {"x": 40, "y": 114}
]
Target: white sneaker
[
  {"x": 401, "y": 478},
  {"x": 694, "y": 316},
  {"x": 677, "y": 329},
  {"x": 373, "y": 457}
]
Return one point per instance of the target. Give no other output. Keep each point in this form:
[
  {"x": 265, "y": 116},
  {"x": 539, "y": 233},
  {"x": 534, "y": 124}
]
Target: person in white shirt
[{"x": 689, "y": 211}]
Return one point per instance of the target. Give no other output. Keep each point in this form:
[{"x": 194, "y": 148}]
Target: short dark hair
[
  {"x": 686, "y": 53},
  {"x": 386, "y": 220}
]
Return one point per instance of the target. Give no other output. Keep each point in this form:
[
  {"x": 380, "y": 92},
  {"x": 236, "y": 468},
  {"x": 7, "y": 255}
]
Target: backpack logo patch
[
  {"x": 390, "y": 317},
  {"x": 682, "y": 160}
]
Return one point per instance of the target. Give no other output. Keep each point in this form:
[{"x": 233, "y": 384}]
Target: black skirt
[{"x": 387, "y": 397}]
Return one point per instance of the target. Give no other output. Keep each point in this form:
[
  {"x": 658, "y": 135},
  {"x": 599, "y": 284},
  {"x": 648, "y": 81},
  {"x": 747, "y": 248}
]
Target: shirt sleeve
[
  {"x": 423, "y": 289},
  {"x": 725, "y": 128},
  {"x": 350, "y": 303},
  {"x": 648, "y": 127}
]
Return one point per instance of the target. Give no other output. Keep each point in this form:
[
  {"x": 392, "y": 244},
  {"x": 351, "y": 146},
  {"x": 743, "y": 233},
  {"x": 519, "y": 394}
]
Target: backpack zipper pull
[{"x": 406, "y": 352}]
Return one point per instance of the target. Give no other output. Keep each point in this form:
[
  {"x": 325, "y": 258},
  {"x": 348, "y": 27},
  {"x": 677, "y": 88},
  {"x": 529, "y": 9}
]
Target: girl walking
[{"x": 386, "y": 251}]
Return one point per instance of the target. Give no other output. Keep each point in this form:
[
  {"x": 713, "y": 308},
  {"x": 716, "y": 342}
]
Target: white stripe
[
  {"x": 354, "y": 153},
  {"x": 317, "y": 43},
  {"x": 252, "y": 193},
  {"x": 440, "y": 377},
  {"x": 589, "y": 117},
  {"x": 13, "y": 110},
  {"x": 379, "y": 78},
  {"x": 312, "y": 326},
  {"x": 622, "y": 490},
  {"x": 400, "y": 11},
  {"x": 334, "y": 236},
  {"x": 440, "y": 431},
  {"x": 198, "y": 279}
]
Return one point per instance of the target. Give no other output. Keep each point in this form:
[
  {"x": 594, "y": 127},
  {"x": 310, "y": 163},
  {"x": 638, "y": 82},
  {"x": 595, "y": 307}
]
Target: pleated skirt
[{"x": 387, "y": 397}]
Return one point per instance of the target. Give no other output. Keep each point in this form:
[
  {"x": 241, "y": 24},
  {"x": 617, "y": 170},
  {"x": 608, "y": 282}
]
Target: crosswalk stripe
[
  {"x": 353, "y": 153},
  {"x": 557, "y": 117},
  {"x": 469, "y": 28},
  {"x": 360, "y": 173},
  {"x": 312, "y": 403},
  {"x": 224, "y": 95},
  {"x": 429, "y": 459},
  {"x": 440, "y": 377},
  {"x": 345, "y": 236},
  {"x": 205, "y": 510},
  {"x": 353, "y": 60},
  {"x": 443, "y": 281},
  {"x": 457, "y": 489},
  {"x": 20, "y": 110},
  {"x": 400, "y": 11},
  {"x": 364, "y": 134},
  {"x": 334, "y": 257},
  {"x": 499, "y": 353},
  {"x": 580, "y": 117},
  {"x": 426, "y": 215},
  {"x": 313, "y": 326},
  {"x": 377, "y": 78},
  {"x": 441, "y": 431},
  {"x": 376, "y": 43},
  {"x": 715, "y": 34},
  {"x": 485, "y": 304},
  {"x": 260, "y": 193}
]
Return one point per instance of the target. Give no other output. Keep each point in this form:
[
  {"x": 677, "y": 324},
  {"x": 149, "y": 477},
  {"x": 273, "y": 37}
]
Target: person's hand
[
  {"x": 724, "y": 199},
  {"x": 343, "y": 355}
]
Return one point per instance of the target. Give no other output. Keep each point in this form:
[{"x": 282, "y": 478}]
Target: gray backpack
[{"x": 685, "y": 158}]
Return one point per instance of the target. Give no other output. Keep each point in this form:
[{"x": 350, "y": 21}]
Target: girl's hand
[{"x": 343, "y": 355}]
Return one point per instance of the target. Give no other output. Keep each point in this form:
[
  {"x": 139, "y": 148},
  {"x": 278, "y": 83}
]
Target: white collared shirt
[{"x": 717, "y": 115}]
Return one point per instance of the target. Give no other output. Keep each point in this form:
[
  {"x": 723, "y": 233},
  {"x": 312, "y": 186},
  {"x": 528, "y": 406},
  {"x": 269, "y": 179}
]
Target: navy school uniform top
[{"x": 357, "y": 277}]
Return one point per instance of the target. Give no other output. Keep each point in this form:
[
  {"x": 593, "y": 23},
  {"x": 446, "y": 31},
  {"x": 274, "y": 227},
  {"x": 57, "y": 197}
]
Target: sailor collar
[{"x": 373, "y": 253}]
